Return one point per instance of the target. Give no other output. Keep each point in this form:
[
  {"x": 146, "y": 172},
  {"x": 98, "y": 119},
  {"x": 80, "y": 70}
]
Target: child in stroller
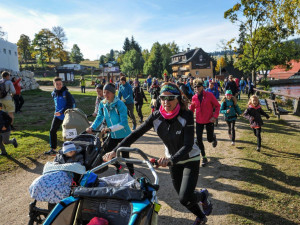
[
  {"x": 65, "y": 172},
  {"x": 70, "y": 154}
]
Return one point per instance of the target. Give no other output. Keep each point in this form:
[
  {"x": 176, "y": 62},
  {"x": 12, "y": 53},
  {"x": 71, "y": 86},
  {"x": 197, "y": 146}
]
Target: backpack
[
  {"x": 3, "y": 91},
  {"x": 72, "y": 98}
]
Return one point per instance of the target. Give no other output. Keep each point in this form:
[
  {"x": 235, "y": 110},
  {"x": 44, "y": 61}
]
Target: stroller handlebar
[
  {"x": 128, "y": 149},
  {"x": 128, "y": 160}
]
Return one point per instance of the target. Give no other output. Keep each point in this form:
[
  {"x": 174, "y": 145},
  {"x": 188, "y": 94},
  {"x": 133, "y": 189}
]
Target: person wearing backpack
[
  {"x": 63, "y": 100},
  {"x": 138, "y": 96},
  {"x": 230, "y": 109},
  {"x": 7, "y": 90}
]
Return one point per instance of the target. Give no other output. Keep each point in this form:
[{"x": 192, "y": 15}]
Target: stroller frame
[
  {"x": 36, "y": 214},
  {"x": 143, "y": 208}
]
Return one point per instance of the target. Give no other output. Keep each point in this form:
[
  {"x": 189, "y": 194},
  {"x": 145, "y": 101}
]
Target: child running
[
  {"x": 230, "y": 109},
  {"x": 253, "y": 114}
]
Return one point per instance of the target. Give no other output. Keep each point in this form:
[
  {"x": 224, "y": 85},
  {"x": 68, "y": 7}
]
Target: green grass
[
  {"x": 271, "y": 176},
  {"x": 34, "y": 123}
]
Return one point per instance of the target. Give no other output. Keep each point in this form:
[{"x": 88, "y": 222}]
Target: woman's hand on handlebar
[
  {"x": 89, "y": 130},
  {"x": 163, "y": 162},
  {"x": 108, "y": 156},
  {"x": 105, "y": 130}
]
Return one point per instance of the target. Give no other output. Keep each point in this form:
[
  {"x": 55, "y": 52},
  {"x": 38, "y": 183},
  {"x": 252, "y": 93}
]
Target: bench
[{"x": 273, "y": 107}]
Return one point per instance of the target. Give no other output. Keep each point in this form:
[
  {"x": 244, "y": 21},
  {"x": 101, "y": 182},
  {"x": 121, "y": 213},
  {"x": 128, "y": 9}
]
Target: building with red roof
[{"x": 279, "y": 73}]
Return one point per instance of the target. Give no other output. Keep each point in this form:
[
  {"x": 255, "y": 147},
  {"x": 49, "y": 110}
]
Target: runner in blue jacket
[{"x": 126, "y": 92}]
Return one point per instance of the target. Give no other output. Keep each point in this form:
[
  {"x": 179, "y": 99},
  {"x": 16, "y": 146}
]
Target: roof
[
  {"x": 189, "y": 56},
  {"x": 280, "y": 73}
]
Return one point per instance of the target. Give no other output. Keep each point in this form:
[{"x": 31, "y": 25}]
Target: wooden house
[{"x": 195, "y": 62}]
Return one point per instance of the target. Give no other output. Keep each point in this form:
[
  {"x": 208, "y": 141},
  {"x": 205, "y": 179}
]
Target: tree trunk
[{"x": 254, "y": 77}]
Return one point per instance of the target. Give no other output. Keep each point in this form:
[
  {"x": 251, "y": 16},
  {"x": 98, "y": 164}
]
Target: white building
[
  {"x": 8, "y": 56},
  {"x": 76, "y": 67}
]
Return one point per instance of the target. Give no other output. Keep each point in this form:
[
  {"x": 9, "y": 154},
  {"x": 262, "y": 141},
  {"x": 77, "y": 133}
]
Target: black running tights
[
  {"x": 184, "y": 178},
  {"x": 257, "y": 133},
  {"x": 231, "y": 129}
]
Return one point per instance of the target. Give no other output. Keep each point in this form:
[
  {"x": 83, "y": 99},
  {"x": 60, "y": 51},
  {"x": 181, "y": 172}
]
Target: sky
[{"x": 99, "y": 26}]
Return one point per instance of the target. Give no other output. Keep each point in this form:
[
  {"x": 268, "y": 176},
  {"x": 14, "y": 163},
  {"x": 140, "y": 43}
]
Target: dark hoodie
[
  {"x": 253, "y": 114},
  {"x": 62, "y": 100}
]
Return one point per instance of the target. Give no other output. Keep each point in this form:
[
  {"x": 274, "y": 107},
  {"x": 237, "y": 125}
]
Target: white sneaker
[{"x": 233, "y": 143}]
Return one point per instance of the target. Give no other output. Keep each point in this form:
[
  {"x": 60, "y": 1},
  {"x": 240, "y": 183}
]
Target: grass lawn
[
  {"x": 33, "y": 126},
  {"x": 271, "y": 178}
]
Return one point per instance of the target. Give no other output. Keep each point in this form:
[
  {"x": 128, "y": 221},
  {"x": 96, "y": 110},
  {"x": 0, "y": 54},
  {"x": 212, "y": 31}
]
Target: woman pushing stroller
[
  {"x": 174, "y": 124},
  {"x": 114, "y": 112}
]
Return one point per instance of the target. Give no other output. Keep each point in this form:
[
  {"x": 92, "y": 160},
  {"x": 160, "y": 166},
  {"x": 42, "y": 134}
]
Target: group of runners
[{"x": 174, "y": 107}]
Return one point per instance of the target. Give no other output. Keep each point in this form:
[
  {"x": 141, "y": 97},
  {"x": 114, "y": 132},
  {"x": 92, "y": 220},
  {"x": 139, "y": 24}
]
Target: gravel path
[{"x": 217, "y": 177}]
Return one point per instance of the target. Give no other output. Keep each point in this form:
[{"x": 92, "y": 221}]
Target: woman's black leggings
[
  {"x": 112, "y": 143},
  {"x": 209, "y": 133},
  {"x": 257, "y": 133},
  {"x": 231, "y": 129},
  {"x": 184, "y": 178}
]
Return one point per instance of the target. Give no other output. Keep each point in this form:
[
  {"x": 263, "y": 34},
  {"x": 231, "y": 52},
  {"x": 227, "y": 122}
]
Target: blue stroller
[
  {"x": 92, "y": 150},
  {"x": 117, "y": 205}
]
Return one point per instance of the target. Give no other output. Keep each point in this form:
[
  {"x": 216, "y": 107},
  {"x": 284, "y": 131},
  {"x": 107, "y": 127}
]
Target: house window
[
  {"x": 16, "y": 54},
  {"x": 201, "y": 58},
  {"x": 9, "y": 51},
  {"x": 197, "y": 72},
  {"x": 4, "y": 50}
]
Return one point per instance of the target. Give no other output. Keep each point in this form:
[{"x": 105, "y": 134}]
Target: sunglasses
[
  {"x": 168, "y": 97},
  {"x": 198, "y": 86}
]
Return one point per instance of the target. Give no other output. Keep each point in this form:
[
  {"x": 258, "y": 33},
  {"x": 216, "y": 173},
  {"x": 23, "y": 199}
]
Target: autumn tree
[
  {"x": 265, "y": 24},
  {"x": 44, "y": 46},
  {"x": 221, "y": 63},
  {"x": 59, "y": 42},
  {"x": 24, "y": 48},
  {"x": 76, "y": 56}
]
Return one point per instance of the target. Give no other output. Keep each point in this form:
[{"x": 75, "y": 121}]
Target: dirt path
[{"x": 217, "y": 177}]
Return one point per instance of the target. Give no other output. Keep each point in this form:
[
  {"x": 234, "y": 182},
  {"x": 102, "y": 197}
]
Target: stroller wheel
[{"x": 39, "y": 219}]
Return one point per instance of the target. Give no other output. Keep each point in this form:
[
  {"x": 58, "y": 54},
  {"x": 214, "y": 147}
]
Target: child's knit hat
[
  {"x": 68, "y": 146},
  {"x": 228, "y": 92}
]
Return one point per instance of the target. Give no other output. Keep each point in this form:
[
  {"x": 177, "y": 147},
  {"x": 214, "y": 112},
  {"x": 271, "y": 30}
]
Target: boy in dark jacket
[
  {"x": 63, "y": 101},
  {"x": 253, "y": 114},
  {"x": 5, "y": 121},
  {"x": 138, "y": 96}
]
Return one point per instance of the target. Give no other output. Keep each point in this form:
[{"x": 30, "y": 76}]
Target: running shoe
[
  {"x": 204, "y": 161},
  {"x": 134, "y": 127},
  {"x": 258, "y": 149},
  {"x": 199, "y": 221},
  {"x": 233, "y": 143},
  {"x": 50, "y": 152},
  {"x": 215, "y": 142},
  {"x": 120, "y": 169},
  {"x": 206, "y": 204},
  {"x": 15, "y": 143},
  {"x": 4, "y": 153}
]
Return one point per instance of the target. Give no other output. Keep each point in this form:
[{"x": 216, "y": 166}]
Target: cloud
[{"x": 98, "y": 28}]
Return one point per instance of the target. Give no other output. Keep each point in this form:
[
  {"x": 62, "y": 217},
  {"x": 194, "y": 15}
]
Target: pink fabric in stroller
[{"x": 98, "y": 221}]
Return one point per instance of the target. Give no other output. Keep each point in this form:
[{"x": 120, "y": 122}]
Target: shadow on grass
[
  {"x": 209, "y": 178},
  {"x": 38, "y": 166}
]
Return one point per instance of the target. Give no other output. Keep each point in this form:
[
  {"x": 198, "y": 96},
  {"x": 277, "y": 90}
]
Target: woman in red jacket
[
  {"x": 18, "y": 98},
  {"x": 207, "y": 111}
]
